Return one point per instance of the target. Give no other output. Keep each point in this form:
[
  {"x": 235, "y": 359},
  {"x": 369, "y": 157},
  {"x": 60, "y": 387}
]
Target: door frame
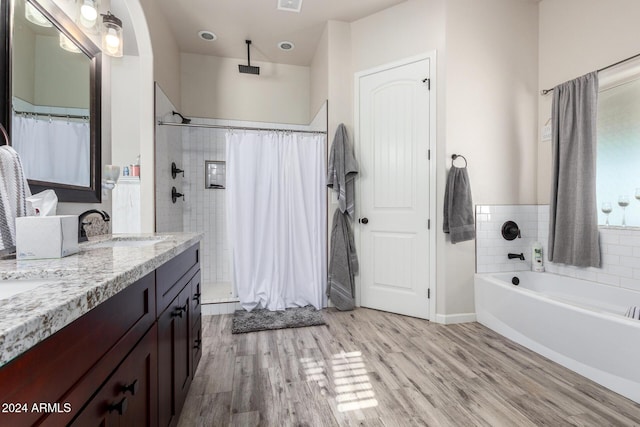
[{"x": 431, "y": 56}]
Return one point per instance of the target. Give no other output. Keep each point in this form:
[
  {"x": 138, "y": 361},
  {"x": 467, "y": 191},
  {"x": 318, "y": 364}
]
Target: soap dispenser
[{"x": 536, "y": 257}]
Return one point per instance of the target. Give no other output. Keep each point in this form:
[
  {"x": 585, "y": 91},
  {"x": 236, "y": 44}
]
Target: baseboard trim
[{"x": 451, "y": 319}]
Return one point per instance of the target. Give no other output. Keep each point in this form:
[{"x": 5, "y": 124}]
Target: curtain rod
[
  {"x": 191, "y": 125},
  {"x": 63, "y": 116},
  {"x": 546, "y": 91}
]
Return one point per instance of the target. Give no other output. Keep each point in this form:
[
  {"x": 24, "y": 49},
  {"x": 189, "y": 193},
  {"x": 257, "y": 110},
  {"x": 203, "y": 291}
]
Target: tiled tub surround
[
  {"x": 492, "y": 248},
  {"x": 77, "y": 284},
  {"x": 620, "y": 246}
]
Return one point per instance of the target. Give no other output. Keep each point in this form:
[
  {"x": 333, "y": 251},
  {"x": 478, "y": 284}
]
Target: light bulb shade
[
  {"x": 88, "y": 14},
  {"x": 35, "y": 16},
  {"x": 111, "y": 173},
  {"x": 112, "y": 35},
  {"x": 68, "y": 45}
]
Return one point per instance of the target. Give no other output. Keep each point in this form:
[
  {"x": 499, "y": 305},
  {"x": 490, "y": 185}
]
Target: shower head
[
  {"x": 185, "y": 121},
  {"x": 248, "y": 69}
]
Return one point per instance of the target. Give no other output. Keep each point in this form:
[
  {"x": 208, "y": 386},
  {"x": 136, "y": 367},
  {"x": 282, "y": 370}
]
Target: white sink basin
[
  {"x": 131, "y": 242},
  {"x": 9, "y": 288}
]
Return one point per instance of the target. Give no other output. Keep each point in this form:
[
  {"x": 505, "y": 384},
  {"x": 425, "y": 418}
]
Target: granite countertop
[{"x": 77, "y": 283}]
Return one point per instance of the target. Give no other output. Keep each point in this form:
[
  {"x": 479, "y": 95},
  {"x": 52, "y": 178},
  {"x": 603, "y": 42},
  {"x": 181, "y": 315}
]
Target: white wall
[
  {"x": 319, "y": 74},
  {"x": 166, "y": 54},
  {"x": 212, "y": 87},
  {"x": 491, "y": 101},
  {"x": 577, "y": 37}
]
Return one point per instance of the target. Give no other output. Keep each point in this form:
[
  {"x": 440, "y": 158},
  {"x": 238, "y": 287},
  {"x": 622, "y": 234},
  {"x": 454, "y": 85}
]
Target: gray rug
[{"x": 263, "y": 320}]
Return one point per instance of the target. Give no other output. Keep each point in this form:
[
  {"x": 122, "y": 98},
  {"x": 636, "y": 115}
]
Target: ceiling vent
[{"x": 290, "y": 5}]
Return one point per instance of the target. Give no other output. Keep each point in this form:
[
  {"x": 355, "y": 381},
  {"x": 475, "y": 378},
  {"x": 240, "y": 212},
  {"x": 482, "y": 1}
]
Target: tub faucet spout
[{"x": 520, "y": 256}]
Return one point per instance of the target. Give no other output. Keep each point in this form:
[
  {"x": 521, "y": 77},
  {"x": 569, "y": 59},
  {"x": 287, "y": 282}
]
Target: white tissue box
[{"x": 46, "y": 236}]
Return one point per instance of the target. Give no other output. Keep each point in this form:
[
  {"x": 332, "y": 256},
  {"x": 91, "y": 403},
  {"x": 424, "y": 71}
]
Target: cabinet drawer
[
  {"x": 173, "y": 275},
  {"x": 128, "y": 397},
  {"x": 48, "y": 371}
]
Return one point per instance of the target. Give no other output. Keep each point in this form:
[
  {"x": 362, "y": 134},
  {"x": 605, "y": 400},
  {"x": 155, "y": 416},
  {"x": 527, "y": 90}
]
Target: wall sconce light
[
  {"x": 111, "y": 35},
  {"x": 68, "y": 45},
  {"x": 110, "y": 176},
  {"x": 88, "y": 14},
  {"x": 35, "y": 16}
]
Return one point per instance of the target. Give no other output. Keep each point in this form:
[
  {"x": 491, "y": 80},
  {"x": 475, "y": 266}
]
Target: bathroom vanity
[{"x": 109, "y": 336}]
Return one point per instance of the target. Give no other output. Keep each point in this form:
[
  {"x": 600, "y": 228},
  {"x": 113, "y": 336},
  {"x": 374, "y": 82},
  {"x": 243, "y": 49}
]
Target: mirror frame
[{"x": 65, "y": 192}]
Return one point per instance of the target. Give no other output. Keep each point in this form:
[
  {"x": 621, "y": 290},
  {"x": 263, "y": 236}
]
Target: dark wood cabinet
[
  {"x": 127, "y": 362},
  {"x": 128, "y": 397},
  {"x": 176, "y": 362}
]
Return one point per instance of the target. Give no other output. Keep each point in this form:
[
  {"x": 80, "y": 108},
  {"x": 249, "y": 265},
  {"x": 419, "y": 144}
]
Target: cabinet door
[
  {"x": 128, "y": 398},
  {"x": 174, "y": 358},
  {"x": 196, "y": 339},
  {"x": 196, "y": 323}
]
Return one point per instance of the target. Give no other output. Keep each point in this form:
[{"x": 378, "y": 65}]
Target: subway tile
[
  {"x": 608, "y": 279},
  {"x": 620, "y": 271},
  {"x": 619, "y": 250},
  {"x": 632, "y": 284}
]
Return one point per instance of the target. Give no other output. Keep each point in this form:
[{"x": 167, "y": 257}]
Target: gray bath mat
[{"x": 263, "y": 320}]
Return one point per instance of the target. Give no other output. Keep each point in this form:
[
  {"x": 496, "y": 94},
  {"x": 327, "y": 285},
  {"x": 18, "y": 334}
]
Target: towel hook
[{"x": 455, "y": 156}]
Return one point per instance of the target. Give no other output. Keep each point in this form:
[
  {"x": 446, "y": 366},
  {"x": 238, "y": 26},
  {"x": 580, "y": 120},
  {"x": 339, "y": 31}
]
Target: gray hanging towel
[
  {"x": 343, "y": 264},
  {"x": 458, "y": 206},
  {"x": 342, "y": 170},
  {"x": 14, "y": 191}
]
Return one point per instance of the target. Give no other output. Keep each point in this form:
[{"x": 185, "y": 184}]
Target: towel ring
[{"x": 455, "y": 156}]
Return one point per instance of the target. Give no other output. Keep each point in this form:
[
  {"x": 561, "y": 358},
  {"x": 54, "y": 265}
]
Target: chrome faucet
[
  {"x": 520, "y": 256},
  {"x": 82, "y": 233}
]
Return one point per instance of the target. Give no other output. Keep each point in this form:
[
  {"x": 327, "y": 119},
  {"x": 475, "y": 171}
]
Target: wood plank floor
[{"x": 371, "y": 368}]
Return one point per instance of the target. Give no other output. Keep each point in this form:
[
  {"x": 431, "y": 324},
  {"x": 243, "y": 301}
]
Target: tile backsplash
[{"x": 620, "y": 246}]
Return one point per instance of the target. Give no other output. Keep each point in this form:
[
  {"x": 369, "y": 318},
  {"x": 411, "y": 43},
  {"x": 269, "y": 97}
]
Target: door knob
[{"x": 364, "y": 220}]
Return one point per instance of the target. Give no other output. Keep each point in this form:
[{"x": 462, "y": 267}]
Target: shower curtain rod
[
  {"x": 191, "y": 125},
  {"x": 62, "y": 116},
  {"x": 546, "y": 91}
]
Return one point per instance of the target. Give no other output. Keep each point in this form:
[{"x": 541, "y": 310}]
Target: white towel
[
  {"x": 633, "y": 312},
  {"x": 14, "y": 191}
]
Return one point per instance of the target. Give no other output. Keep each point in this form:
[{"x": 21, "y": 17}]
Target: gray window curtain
[{"x": 573, "y": 215}]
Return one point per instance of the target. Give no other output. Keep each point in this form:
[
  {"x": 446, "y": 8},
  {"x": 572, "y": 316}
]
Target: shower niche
[{"x": 215, "y": 174}]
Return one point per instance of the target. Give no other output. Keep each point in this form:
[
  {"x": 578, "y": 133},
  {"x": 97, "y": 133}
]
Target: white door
[{"x": 393, "y": 148}]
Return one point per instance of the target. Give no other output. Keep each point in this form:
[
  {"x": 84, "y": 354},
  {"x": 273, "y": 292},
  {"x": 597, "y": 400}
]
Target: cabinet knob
[
  {"x": 197, "y": 344},
  {"x": 132, "y": 388},
  {"x": 196, "y": 297},
  {"x": 120, "y": 407}
]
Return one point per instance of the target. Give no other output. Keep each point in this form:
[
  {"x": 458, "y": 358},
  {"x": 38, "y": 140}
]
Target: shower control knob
[{"x": 364, "y": 220}]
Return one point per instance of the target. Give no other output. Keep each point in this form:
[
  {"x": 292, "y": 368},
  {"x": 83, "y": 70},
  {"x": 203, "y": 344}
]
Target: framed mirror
[{"x": 52, "y": 102}]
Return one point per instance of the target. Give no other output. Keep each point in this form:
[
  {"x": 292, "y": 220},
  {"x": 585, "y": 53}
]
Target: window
[{"x": 618, "y": 155}]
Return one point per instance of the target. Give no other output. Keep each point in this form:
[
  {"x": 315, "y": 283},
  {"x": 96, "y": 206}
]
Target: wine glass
[
  {"x": 623, "y": 202},
  {"x": 606, "y": 209}
]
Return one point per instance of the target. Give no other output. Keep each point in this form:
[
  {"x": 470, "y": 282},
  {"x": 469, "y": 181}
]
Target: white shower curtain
[
  {"x": 276, "y": 206},
  {"x": 53, "y": 150}
]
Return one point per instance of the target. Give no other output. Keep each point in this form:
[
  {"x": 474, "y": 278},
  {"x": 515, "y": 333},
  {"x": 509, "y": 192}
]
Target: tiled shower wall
[
  {"x": 205, "y": 209},
  {"x": 620, "y": 246},
  {"x": 168, "y": 149}
]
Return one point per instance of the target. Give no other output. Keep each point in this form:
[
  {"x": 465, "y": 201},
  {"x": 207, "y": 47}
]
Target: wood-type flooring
[{"x": 372, "y": 368}]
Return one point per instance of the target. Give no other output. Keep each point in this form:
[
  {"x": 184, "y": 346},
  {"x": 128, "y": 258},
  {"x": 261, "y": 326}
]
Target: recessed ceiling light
[
  {"x": 290, "y": 5},
  {"x": 207, "y": 35},
  {"x": 286, "y": 46}
]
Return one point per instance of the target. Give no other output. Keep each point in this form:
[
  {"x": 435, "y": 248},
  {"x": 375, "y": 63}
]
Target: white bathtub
[{"x": 576, "y": 323}]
